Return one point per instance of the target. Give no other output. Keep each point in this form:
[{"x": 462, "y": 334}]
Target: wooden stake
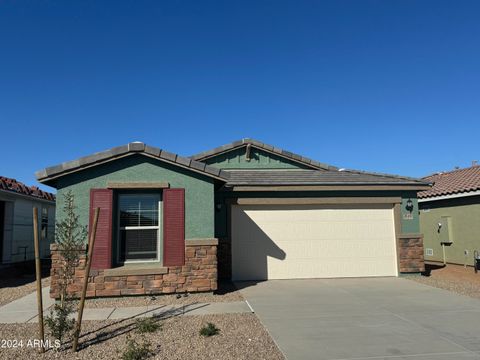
[
  {"x": 38, "y": 274},
  {"x": 91, "y": 243}
]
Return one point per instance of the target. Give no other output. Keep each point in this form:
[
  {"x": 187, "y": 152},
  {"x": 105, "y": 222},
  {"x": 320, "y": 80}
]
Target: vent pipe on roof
[{"x": 474, "y": 163}]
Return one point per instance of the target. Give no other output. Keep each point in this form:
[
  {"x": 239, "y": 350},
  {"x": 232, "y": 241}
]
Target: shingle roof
[
  {"x": 53, "y": 172},
  {"x": 273, "y": 149},
  {"x": 314, "y": 177},
  {"x": 453, "y": 182},
  {"x": 14, "y": 186}
]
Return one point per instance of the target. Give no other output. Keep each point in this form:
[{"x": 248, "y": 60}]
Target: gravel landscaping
[
  {"x": 455, "y": 278},
  {"x": 227, "y": 292},
  {"x": 241, "y": 336},
  {"x": 15, "y": 287}
]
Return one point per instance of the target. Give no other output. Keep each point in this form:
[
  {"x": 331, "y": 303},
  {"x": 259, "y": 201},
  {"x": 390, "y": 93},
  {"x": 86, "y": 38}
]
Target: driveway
[{"x": 369, "y": 318}]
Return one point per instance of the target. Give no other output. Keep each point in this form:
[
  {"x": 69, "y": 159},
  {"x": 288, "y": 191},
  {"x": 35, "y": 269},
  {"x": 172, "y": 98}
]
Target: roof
[
  {"x": 269, "y": 148},
  {"x": 320, "y": 174},
  {"x": 314, "y": 177},
  {"x": 17, "y": 187},
  {"x": 461, "y": 181},
  {"x": 53, "y": 172}
]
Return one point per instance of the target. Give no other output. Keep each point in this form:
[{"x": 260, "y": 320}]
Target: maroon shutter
[
  {"x": 102, "y": 250},
  {"x": 173, "y": 227}
]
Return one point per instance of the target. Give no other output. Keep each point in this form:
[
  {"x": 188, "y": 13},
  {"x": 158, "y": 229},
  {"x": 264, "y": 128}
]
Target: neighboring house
[
  {"x": 270, "y": 213},
  {"x": 450, "y": 216},
  {"x": 16, "y": 221}
]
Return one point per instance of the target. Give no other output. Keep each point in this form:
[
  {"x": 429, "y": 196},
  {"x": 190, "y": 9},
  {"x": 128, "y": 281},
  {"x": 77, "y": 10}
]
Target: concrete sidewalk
[{"x": 25, "y": 310}]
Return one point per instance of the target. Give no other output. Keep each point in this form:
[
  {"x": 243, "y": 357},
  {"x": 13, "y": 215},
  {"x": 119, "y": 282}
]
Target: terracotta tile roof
[
  {"x": 453, "y": 182},
  {"x": 18, "y": 187}
]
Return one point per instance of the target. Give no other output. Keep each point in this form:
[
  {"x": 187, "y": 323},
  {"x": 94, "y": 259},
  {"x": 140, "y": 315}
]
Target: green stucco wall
[
  {"x": 408, "y": 225},
  {"x": 199, "y": 189},
  {"x": 259, "y": 159},
  {"x": 464, "y": 228}
]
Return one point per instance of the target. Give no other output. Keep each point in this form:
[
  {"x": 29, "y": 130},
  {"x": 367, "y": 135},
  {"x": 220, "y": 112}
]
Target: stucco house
[
  {"x": 243, "y": 211},
  {"x": 450, "y": 216},
  {"x": 17, "y": 201}
]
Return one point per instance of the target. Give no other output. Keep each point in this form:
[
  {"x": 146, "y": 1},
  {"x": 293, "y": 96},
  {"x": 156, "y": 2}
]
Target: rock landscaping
[
  {"x": 241, "y": 336},
  {"x": 451, "y": 277}
]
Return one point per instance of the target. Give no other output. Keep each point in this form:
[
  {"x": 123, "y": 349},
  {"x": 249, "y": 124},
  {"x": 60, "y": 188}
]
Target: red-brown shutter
[
  {"x": 102, "y": 250},
  {"x": 173, "y": 227}
]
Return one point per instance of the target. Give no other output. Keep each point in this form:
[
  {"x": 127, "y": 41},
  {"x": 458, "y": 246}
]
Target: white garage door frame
[{"x": 274, "y": 267}]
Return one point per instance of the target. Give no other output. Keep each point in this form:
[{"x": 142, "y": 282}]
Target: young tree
[{"x": 70, "y": 237}]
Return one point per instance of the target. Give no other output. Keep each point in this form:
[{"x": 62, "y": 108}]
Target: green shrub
[
  {"x": 136, "y": 351},
  {"x": 59, "y": 321},
  {"x": 209, "y": 330},
  {"x": 147, "y": 325}
]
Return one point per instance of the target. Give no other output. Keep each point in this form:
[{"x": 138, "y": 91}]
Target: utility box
[{"x": 445, "y": 230}]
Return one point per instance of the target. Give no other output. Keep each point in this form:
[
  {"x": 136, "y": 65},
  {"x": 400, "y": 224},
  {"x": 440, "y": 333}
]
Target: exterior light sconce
[{"x": 409, "y": 205}]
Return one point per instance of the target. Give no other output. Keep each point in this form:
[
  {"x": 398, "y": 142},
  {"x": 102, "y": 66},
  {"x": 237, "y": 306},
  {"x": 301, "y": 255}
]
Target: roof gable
[
  {"x": 232, "y": 156},
  {"x": 252, "y": 158},
  {"x": 48, "y": 175}
]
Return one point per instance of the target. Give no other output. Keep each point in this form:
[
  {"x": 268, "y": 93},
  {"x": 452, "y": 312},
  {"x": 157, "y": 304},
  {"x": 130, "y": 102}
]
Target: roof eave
[
  {"x": 328, "y": 187},
  {"x": 48, "y": 176}
]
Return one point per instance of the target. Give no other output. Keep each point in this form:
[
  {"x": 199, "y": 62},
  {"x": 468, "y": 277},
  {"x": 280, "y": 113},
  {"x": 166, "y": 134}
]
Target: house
[
  {"x": 244, "y": 211},
  {"x": 450, "y": 215},
  {"x": 16, "y": 221}
]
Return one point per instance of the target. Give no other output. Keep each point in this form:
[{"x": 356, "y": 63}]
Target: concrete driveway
[{"x": 374, "y": 318}]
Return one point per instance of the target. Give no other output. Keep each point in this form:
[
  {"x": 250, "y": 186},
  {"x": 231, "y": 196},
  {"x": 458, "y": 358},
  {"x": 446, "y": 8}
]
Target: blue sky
[{"x": 388, "y": 86}]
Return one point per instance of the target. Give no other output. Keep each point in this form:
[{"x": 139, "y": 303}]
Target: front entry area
[{"x": 312, "y": 241}]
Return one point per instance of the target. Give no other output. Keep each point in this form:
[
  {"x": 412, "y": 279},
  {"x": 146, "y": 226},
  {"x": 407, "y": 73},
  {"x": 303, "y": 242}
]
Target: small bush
[
  {"x": 209, "y": 330},
  {"x": 59, "y": 321},
  {"x": 136, "y": 351},
  {"x": 147, "y": 325}
]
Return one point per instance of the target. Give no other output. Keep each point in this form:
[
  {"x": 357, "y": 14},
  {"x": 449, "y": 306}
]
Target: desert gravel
[
  {"x": 241, "y": 336},
  {"x": 227, "y": 293},
  {"x": 13, "y": 288},
  {"x": 454, "y": 278}
]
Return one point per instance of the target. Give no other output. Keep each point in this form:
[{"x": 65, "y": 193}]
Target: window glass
[
  {"x": 139, "y": 226},
  {"x": 140, "y": 210},
  {"x": 139, "y": 244}
]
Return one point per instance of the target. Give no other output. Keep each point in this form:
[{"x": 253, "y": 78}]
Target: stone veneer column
[{"x": 410, "y": 253}]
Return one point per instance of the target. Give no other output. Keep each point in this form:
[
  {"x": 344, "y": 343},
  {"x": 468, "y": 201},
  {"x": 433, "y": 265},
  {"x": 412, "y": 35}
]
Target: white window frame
[{"x": 159, "y": 229}]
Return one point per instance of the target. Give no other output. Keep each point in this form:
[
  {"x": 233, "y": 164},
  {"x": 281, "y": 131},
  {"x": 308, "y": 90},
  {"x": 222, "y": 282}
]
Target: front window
[{"x": 139, "y": 227}]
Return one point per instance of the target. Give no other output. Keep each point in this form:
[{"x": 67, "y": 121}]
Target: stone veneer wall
[
  {"x": 410, "y": 253},
  {"x": 198, "y": 274}
]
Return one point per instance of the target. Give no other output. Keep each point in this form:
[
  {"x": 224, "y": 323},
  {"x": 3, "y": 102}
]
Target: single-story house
[
  {"x": 243, "y": 211},
  {"x": 450, "y": 216},
  {"x": 17, "y": 201}
]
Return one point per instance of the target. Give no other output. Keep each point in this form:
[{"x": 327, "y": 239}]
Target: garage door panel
[
  {"x": 310, "y": 268},
  {"x": 335, "y": 249},
  {"x": 284, "y": 242}
]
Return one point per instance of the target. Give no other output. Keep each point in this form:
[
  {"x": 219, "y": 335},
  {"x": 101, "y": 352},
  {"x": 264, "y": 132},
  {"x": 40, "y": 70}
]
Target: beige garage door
[{"x": 312, "y": 241}]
